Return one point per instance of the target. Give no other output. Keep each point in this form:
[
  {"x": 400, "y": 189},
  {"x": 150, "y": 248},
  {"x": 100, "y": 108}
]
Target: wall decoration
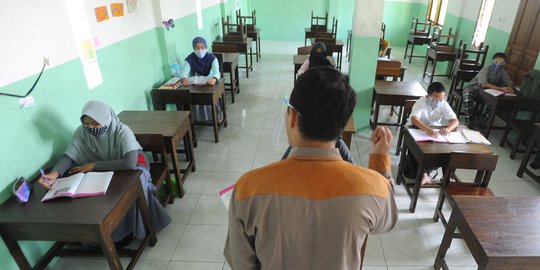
[
  {"x": 117, "y": 9},
  {"x": 87, "y": 51},
  {"x": 131, "y": 6},
  {"x": 168, "y": 24},
  {"x": 101, "y": 13}
]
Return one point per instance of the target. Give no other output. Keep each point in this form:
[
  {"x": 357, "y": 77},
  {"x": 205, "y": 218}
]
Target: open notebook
[
  {"x": 497, "y": 93},
  {"x": 226, "y": 195},
  {"x": 465, "y": 136},
  {"x": 199, "y": 80},
  {"x": 80, "y": 185}
]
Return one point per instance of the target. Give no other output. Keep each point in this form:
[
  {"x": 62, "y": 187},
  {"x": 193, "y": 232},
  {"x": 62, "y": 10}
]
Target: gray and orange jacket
[{"x": 310, "y": 211}]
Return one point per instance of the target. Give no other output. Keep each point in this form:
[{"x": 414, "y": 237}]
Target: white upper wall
[{"x": 504, "y": 14}]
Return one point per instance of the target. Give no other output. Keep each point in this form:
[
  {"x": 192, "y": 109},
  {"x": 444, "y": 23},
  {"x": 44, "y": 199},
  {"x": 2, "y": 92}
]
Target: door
[{"x": 524, "y": 43}]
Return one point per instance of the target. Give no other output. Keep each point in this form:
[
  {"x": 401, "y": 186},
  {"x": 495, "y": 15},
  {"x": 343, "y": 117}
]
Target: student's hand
[
  {"x": 48, "y": 180},
  {"x": 445, "y": 131},
  {"x": 432, "y": 133},
  {"x": 212, "y": 81},
  {"x": 184, "y": 82},
  {"x": 381, "y": 140},
  {"x": 88, "y": 167},
  {"x": 507, "y": 89}
]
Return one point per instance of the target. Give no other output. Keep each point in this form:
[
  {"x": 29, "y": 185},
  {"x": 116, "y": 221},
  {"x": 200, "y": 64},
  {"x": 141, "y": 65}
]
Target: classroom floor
[{"x": 196, "y": 237}]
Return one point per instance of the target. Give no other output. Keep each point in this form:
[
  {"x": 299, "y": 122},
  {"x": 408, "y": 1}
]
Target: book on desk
[
  {"x": 80, "y": 185},
  {"x": 464, "y": 136},
  {"x": 497, "y": 93},
  {"x": 175, "y": 82}
]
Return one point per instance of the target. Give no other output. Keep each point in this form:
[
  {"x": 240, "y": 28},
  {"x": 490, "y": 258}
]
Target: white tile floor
[{"x": 196, "y": 237}]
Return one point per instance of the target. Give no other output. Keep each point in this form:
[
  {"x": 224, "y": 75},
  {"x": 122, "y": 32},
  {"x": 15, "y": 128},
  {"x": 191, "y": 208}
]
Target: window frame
[{"x": 437, "y": 12}]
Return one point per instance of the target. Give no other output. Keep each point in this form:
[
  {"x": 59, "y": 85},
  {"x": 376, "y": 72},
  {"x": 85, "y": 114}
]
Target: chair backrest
[
  {"x": 447, "y": 42},
  {"x": 407, "y": 110},
  {"x": 471, "y": 59},
  {"x": 420, "y": 28},
  {"x": 219, "y": 57},
  {"x": 461, "y": 77},
  {"x": 319, "y": 23},
  {"x": 235, "y": 32},
  {"x": 155, "y": 144},
  {"x": 181, "y": 98},
  {"x": 383, "y": 30},
  {"x": 224, "y": 48},
  {"x": 249, "y": 21},
  {"x": 304, "y": 50},
  {"x": 483, "y": 163},
  {"x": 388, "y": 68}
]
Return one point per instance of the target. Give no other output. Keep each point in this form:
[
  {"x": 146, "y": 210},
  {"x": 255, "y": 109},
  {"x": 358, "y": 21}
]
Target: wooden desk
[
  {"x": 298, "y": 60},
  {"x": 174, "y": 126},
  {"x": 256, "y": 36},
  {"x": 332, "y": 48},
  {"x": 209, "y": 95},
  {"x": 531, "y": 145},
  {"x": 501, "y": 233},
  {"x": 91, "y": 219},
  {"x": 390, "y": 68},
  {"x": 393, "y": 94},
  {"x": 244, "y": 48},
  {"x": 350, "y": 129},
  {"x": 499, "y": 105},
  {"x": 230, "y": 65},
  {"x": 447, "y": 54},
  {"x": 416, "y": 40},
  {"x": 429, "y": 155}
]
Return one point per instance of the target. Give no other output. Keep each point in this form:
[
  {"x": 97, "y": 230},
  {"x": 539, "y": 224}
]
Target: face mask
[
  {"x": 21, "y": 190},
  {"x": 433, "y": 103},
  {"x": 200, "y": 53},
  {"x": 96, "y": 131},
  {"x": 497, "y": 67}
]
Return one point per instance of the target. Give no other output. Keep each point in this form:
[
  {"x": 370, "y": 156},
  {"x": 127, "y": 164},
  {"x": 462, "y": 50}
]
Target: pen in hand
[{"x": 44, "y": 177}]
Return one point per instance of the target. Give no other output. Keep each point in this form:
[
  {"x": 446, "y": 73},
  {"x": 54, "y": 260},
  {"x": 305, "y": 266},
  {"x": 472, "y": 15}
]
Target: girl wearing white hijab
[{"x": 103, "y": 143}]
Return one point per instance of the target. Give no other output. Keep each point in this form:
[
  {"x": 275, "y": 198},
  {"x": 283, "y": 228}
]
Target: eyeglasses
[{"x": 292, "y": 108}]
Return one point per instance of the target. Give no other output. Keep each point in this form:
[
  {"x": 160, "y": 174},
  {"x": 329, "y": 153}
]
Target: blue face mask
[
  {"x": 433, "y": 103},
  {"x": 497, "y": 67},
  {"x": 21, "y": 190},
  {"x": 96, "y": 131}
]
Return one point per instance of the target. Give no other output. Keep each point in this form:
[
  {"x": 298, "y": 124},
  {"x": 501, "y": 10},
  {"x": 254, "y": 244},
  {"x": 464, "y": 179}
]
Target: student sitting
[
  {"x": 383, "y": 47},
  {"x": 103, "y": 143},
  {"x": 317, "y": 57},
  {"x": 202, "y": 63},
  {"x": 492, "y": 76},
  {"x": 430, "y": 111},
  {"x": 312, "y": 210}
]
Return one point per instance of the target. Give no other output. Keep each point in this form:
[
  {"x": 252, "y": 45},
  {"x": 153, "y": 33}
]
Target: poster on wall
[
  {"x": 131, "y": 6},
  {"x": 117, "y": 9},
  {"x": 101, "y": 13},
  {"x": 87, "y": 52}
]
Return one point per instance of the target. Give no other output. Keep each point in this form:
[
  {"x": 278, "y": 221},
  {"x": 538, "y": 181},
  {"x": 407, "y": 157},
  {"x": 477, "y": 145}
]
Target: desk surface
[
  {"x": 248, "y": 41},
  {"x": 67, "y": 211},
  {"x": 154, "y": 122},
  {"x": 446, "y": 148},
  {"x": 337, "y": 43},
  {"x": 413, "y": 89},
  {"x": 504, "y": 226},
  {"x": 204, "y": 89},
  {"x": 350, "y": 126},
  {"x": 300, "y": 59}
]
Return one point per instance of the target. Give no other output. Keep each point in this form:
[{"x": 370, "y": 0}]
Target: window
[
  {"x": 198, "y": 8},
  {"x": 436, "y": 11},
  {"x": 483, "y": 22}
]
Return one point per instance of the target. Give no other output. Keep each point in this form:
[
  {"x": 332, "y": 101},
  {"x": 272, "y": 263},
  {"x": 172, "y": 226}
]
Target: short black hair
[
  {"x": 435, "y": 87},
  {"x": 325, "y": 101},
  {"x": 499, "y": 55}
]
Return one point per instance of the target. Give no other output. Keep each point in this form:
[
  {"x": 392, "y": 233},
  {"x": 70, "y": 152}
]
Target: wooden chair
[
  {"x": 455, "y": 96},
  {"x": 306, "y": 50},
  {"x": 419, "y": 35},
  {"x": 407, "y": 109},
  {"x": 388, "y": 68},
  {"x": 180, "y": 98},
  {"x": 249, "y": 21},
  {"x": 484, "y": 164},
  {"x": 319, "y": 23},
  {"x": 442, "y": 48},
  {"x": 159, "y": 170},
  {"x": 523, "y": 128},
  {"x": 329, "y": 36},
  {"x": 383, "y": 30},
  {"x": 470, "y": 59},
  {"x": 233, "y": 32}
]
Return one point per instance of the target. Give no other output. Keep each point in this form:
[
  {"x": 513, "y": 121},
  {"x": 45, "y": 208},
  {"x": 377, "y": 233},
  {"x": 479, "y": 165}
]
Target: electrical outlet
[{"x": 46, "y": 61}]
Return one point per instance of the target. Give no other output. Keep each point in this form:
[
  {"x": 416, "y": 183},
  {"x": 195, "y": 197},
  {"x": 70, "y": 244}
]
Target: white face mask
[{"x": 200, "y": 53}]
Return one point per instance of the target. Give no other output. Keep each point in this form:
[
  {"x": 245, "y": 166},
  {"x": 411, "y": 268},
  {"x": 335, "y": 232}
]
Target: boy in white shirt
[{"x": 429, "y": 112}]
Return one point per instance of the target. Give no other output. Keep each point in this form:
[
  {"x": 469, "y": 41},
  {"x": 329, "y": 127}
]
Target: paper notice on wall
[
  {"x": 92, "y": 72},
  {"x": 87, "y": 52},
  {"x": 117, "y": 9},
  {"x": 101, "y": 13},
  {"x": 131, "y": 6}
]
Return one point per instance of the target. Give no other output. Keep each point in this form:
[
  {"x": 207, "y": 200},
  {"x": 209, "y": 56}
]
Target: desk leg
[
  {"x": 259, "y": 47},
  {"x": 224, "y": 110},
  {"x": 412, "y": 53},
  {"x": 215, "y": 121},
  {"x": 251, "y": 58},
  {"x": 247, "y": 64},
  {"x": 406, "y": 49},
  {"x": 491, "y": 119},
  {"x": 233, "y": 85},
  {"x": 376, "y": 114},
  {"x": 237, "y": 78},
  {"x": 17, "y": 253},
  {"x": 526, "y": 157},
  {"x": 340, "y": 56},
  {"x": 189, "y": 148},
  {"x": 171, "y": 145},
  {"x": 416, "y": 188},
  {"x": 404, "y": 151},
  {"x": 257, "y": 50},
  {"x": 107, "y": 246},
  {"x": 445, "y": 243}
]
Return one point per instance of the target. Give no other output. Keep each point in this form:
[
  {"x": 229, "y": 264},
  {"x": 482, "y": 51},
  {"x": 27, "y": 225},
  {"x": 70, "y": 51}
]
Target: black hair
[
  {"x": 435, "y": 87},
  {"x": 325, "y": 101},
  {"x": 499, "y": 55}
]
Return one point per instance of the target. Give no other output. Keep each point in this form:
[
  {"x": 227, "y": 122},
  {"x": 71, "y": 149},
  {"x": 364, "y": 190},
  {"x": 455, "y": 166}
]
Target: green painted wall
[
  {"x": 38, "y": 135},
  {"x": 343, "y": 11},
  {"x": 397, "y": 17},
  {"x": 286, "y": 19},
  {"x": 362, "y": 76}
]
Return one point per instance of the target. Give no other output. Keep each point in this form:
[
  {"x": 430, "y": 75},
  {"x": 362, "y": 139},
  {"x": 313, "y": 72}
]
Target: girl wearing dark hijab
[{"x": 317, "y": 57}]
